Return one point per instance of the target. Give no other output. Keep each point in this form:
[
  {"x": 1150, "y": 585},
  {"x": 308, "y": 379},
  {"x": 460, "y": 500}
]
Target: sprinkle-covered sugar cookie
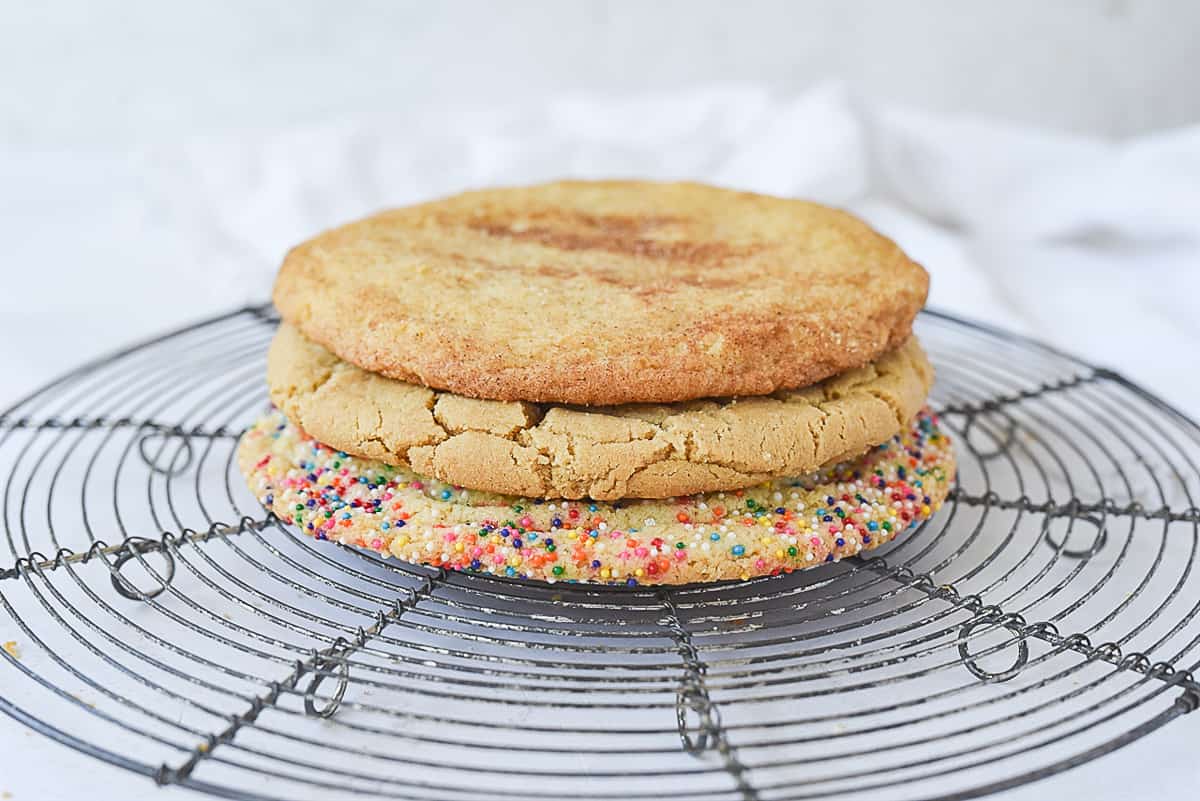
[{"x": 779, "y": 526}]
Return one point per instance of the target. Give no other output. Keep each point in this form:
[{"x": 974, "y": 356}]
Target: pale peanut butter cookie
[
  {"x": 604, "y": 292},
  {"x": 604, "y": 453}
]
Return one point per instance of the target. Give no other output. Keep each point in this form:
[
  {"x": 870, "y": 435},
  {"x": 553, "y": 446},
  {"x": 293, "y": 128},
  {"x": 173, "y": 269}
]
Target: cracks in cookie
[
  {"x": 891, "y": 403},
  {"x": 327, "y": 368},
  {"x": 542, "y": 470},
  {"x": 612, "y": 486},
  {"x": 767, "y": 457},
  {"x": 572, "y": 456},
  {"x": 432, "y": 440},
  {"x": 378, "y": 440},
  {"x": 324, "y": 380},
  {"x": 362, "y": 438},
  {"x": 431, "y": 405},
  {"x": 688, "y": 442},
  {"x": 554, "y": 465},
  {"x": 816, "y": 431},
  {"x": 378, "y": 435},
  {"x": 862, "y": 424},
  {"x": 790, "y": 455}
]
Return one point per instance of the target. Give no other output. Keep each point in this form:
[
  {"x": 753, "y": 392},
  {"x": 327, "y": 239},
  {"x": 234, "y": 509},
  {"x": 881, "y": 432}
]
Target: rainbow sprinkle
[{"x": 775, "y": 527}]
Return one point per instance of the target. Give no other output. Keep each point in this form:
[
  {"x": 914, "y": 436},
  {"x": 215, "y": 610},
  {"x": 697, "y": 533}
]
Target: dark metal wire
[{"x": 1048, "y": 615}]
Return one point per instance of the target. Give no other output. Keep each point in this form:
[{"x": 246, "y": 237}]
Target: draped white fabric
[{"x": 1092, "y": 245}]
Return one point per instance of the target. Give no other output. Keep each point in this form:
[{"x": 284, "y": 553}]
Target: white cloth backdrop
[{"x": 1092, "y": 246}]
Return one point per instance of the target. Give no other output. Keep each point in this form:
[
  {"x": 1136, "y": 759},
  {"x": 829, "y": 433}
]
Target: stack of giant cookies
[{"x": 619, "y": 382}]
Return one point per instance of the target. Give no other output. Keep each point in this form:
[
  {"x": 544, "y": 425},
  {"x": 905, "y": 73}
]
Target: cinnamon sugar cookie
[{"x": 604, "y": 292}]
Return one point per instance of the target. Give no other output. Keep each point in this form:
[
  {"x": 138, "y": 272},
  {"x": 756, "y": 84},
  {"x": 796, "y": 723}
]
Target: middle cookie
[{"x": 605, "y": 453}]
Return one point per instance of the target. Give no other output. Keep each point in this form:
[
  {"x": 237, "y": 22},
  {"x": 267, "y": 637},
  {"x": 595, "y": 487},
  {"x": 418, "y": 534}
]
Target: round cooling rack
[{"x": 160, "y": 620}]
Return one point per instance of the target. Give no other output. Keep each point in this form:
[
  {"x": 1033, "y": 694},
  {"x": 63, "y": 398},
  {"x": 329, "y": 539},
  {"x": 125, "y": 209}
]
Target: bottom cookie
[{"x": 775, "y": 527}]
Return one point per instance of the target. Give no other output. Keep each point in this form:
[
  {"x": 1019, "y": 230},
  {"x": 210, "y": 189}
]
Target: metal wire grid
[{"x": 1046, "y": 616}]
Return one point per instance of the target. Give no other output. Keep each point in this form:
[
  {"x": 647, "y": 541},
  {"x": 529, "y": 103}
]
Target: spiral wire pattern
[{"x": 163, "y": 622}]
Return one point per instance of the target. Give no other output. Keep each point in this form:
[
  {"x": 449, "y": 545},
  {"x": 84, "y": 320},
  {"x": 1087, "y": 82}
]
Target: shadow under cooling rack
[{"x": 163, "y": 622}]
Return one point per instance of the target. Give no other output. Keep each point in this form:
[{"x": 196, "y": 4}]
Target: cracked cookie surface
[
  {"x": 778, "y": 526},
  {"x": 603, "y": 453},
  {"x": 604, "y": 292}
]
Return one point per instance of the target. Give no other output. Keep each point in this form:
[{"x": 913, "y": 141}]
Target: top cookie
[{"x": 604, "y": 292}]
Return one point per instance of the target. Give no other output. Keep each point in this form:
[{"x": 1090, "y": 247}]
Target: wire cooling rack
[{"x": 162, "y": 622}]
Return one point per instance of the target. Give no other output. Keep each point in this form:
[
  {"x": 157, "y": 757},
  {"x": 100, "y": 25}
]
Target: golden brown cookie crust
[
  {"x": 605, "y": 453},
  {"x": 604, "y": 292}
]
